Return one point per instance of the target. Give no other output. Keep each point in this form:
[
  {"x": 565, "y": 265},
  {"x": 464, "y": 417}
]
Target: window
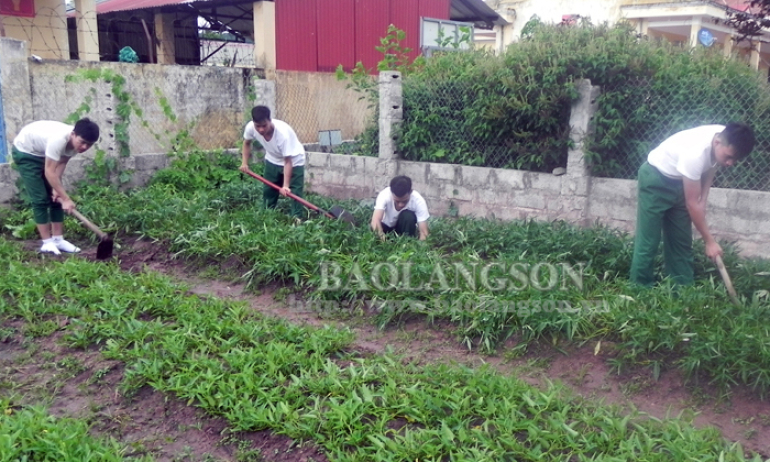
[{"x": 442, "y": 34}]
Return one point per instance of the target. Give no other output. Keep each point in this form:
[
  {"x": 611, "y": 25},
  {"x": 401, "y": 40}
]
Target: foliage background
[{"x": 513, "y": 110}]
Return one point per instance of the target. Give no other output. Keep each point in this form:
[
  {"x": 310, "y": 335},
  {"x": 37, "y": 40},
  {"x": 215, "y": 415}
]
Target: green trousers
[
  {"x": 662, "y": 210},
  {"x": 274, "y": 174},
  {"x": 39, "y": 191}
]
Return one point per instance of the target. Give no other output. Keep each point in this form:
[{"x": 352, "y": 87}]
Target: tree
[{"x": 750, "y": 18}]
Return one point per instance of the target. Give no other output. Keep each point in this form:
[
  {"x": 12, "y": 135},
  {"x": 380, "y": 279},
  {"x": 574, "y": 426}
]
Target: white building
[{"x": 693, "y": 22}]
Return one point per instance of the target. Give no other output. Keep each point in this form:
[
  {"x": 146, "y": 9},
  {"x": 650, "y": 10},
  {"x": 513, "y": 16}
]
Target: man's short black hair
[
  {"x": 87, "y": 129},
  {"x": 260, "y": 114},
  {"x": 401, "y": 186},
  {"x": 740, "y": 137}
]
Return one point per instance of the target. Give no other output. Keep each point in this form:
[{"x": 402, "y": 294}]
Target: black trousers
[{"x": 406, "y": 224}]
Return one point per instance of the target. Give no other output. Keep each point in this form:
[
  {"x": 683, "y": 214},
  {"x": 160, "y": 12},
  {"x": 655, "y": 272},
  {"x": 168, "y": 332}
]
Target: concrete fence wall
[
  {"x": 211, "y": 103},
  {"x": 736, "y": 215}
]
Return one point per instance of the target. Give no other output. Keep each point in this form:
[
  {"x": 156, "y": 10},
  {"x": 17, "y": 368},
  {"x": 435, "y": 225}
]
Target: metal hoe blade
[
  {"x": 342, "y": 214},
  {"x": 104, "y": 249}
]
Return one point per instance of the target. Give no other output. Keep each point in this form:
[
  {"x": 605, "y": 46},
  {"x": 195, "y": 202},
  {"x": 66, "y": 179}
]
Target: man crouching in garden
[
  {"x": 41, "y": 151},
  {"x": 401, "y": 210},
  {"x": 673, "y": 190}
]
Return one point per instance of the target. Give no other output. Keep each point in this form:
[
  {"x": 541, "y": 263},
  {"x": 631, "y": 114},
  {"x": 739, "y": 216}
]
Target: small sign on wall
[{"x": 17, "y": 8}]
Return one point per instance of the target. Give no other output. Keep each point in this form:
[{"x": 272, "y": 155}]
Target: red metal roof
[
  {"x": 740, "y": 5},
  {"x": 122, "y": 5}
]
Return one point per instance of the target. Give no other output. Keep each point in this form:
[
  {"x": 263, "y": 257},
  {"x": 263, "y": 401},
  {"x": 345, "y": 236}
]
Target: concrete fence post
[
  {"x": 577, "y": 182},
  {"x": 391, "y": 112}
]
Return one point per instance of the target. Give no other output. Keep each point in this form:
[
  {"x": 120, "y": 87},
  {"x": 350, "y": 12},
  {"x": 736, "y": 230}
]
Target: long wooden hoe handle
[
  {"x": 90, "y": 225},
  {"x": 302, "y": 201},
  {"x": 727, "y": 280}
]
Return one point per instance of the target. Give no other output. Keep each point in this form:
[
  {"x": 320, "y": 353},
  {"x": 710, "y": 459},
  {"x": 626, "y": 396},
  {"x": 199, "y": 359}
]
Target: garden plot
[
  {"x": 352, "y": 403},
  {"x": 309, "y": 384}
]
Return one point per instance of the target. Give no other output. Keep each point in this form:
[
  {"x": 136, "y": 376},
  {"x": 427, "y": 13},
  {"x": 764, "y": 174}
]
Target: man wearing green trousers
[
  {"x": 673, "y": 190},
  {"x": 41, "y": 152},
  {"x": 284, "y": 157}
]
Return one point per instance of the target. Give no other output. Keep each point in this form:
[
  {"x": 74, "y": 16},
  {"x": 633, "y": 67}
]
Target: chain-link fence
[
  {"x": 464, "y": 122},
  {"x": 453, "y": 121},
  {"x": 634, "y": 118},
  {"x": 322, "y": 110}
]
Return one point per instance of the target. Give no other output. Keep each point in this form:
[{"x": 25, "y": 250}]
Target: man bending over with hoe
[
  {"x": 401, "y": 210},
  {"x": 284, "y": 157},
  {"x": 41, "y": 151},
  {"x": 673, "y": 189}
]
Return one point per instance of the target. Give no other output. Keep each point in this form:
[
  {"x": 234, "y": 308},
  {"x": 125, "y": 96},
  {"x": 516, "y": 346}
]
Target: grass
[
  {"x": 30, "y": 433},
  {"x": 305, "y": 383},
  {"x": 489, "y": 279},
  {"x": 207, "y": 213}
]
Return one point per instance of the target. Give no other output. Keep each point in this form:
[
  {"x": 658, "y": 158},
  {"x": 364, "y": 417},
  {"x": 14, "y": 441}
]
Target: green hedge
[{"x": 512, "y": 111}]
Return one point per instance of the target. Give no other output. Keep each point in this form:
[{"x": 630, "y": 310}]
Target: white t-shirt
[
  {"x": 686, "y": 153},
  {"x": 385, "y": 202},
  {"x": 284, "y": 143},
  {"x": 45, "y": 138}
]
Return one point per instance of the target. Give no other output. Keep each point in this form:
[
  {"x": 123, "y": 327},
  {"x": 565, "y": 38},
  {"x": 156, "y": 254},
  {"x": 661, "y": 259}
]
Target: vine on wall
[{"x": 105, "y": 169}]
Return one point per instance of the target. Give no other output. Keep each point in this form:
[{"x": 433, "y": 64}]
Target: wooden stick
[{"x": 726, "y": 279}]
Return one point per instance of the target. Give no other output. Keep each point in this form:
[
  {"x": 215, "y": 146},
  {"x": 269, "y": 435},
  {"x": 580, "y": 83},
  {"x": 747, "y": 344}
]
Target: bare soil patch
[
  {"x": 168, "y": 428},
  {"x": 82, "y": 384}
]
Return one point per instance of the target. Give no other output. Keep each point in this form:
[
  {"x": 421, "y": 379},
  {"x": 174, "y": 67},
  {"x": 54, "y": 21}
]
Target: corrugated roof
[
  {"x": 108, "y": 6},
  {"x": 475, "y": 11}
]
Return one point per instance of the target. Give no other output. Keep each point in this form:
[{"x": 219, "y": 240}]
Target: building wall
[
  {"x": 551, "y": 11},
  {"x": 46, "y": 32},
  {"x": 319, "y": 35},
  {"x": 519, "y": 12}
]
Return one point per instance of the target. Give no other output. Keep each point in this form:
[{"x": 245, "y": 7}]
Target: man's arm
[
  {"x": 60, "y": 166},
  {"x": 695, "y": 194},
  {"x": 423, "y": 228},
  {"x": 287, "y": 168},
  {"x": 377, "y": 223},
  {"x": 706, "y": 181},
  {"x": 54, "y": 169},
  {"x": 245, "y": 156}
]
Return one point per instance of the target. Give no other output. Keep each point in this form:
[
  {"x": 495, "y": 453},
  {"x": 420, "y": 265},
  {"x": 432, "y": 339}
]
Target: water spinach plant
[
  {"x": 205, "y": 211},
  {"x": 310, "y": 384}
]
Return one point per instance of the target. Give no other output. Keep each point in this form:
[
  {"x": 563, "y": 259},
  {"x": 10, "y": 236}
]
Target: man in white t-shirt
[
  {"x": 673, "y": 189},
  {"x": 401, "y": 210},
  {"x": 284, "y": 157},
  {"x": 41, "y": 152}
]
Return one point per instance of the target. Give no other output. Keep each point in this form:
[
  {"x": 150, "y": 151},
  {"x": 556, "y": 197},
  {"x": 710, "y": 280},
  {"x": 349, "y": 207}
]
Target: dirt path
[
  {"x": 741, "y": 416},
  {"x": 173, "y": 431}
]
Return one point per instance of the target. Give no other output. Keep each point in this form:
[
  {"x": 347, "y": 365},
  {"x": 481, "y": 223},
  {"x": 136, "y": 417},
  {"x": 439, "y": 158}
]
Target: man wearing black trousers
[{"x": 401, "y": 210}]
